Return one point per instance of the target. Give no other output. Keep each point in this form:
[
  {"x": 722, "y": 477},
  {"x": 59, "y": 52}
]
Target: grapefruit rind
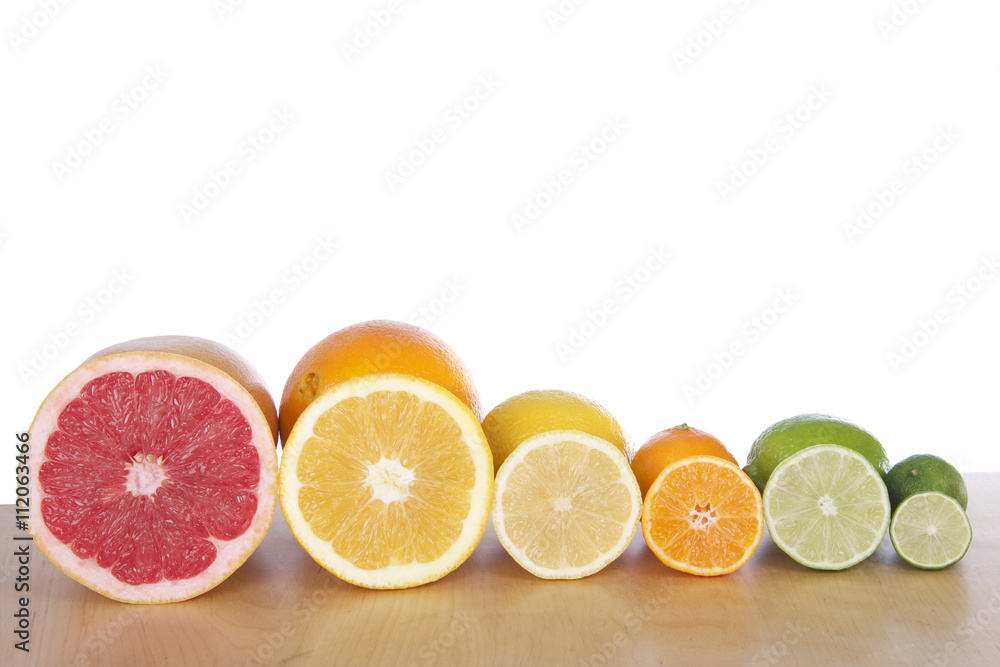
[
  {"x": 398, "y": 575},
  {"x": 628, "y": 527},
  {"x": 230, "y": 553}
]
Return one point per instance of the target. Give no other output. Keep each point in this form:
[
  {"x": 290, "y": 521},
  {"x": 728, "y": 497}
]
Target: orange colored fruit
[
  {"x": 377, "y": 346},
  {"x": 674, "y": 444},
  {"x": 703, "y": 515}
]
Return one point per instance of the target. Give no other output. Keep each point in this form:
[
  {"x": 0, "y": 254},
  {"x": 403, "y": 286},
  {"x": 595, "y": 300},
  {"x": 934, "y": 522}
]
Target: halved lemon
[
  {"x": 387, "y": 480},
  {"x": 566, "y": 504}
]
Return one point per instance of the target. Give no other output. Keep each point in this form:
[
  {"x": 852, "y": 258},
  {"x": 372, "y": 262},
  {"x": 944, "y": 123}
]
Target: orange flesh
[
  {"x": 702, "y": 516},
  {"x": 386, "y": 480}
]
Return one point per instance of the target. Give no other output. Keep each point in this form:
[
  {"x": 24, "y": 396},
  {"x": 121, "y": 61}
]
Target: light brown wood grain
[{"x": 282, "y": 608}]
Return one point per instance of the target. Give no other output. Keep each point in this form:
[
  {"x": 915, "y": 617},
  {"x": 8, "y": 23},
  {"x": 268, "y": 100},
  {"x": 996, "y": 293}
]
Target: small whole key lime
[{"x": 925, "y": 472}]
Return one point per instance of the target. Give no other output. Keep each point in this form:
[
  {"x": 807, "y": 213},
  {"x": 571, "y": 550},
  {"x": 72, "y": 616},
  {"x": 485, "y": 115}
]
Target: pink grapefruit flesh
[{"x": 152, "y": 476}]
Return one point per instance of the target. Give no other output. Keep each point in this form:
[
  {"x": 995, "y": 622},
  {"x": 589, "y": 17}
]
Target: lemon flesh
[{"x": 566, "y": 504}]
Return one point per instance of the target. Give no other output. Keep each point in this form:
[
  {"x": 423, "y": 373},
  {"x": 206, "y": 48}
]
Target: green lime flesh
[
  {"x": 827, "y": 507},
  {"x": 930, "y": 530}
]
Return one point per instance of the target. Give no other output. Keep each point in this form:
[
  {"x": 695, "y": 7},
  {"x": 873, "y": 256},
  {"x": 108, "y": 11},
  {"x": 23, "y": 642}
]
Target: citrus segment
[
  {"x": 702, "y": 515},
  {"x": 827, "y": 507},
  {"x": 156, "y": 478},
  {"x": 386, "y": 481},
  {"x": 566, "y": 504},
  {"x": 209, "y": 352},
  {"x": 930, "y": 530}
]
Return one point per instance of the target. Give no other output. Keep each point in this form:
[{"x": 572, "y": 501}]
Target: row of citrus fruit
[{"x": 157, "y": 473}]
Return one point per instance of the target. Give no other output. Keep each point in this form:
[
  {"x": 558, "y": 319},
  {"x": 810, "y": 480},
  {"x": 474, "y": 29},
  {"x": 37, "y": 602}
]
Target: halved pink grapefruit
[{"x": 153, "y": 469}]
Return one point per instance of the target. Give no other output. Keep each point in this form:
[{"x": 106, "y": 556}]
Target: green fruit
[
  {"x": 826, "y": 507},
  {"x": 930, "y": 531},
  {"x": 925, "y": 472},
  {"x": 785, "y": 438}
]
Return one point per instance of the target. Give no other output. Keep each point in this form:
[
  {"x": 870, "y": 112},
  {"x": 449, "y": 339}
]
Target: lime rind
[
  {"x": 827, "y": 507},
  {"x": 790, "y": 436},
  {"x": 931, "y": 531},
  {"x": 925, "y": 472}
]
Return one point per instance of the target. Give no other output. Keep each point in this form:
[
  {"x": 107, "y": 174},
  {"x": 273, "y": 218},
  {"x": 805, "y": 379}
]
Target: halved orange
[
  {"x": 387, "y": 480},
  {"x": 703, "y": 515}
]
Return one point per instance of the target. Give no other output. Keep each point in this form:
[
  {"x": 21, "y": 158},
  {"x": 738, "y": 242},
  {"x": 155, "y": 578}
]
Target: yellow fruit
[
  {"x": 566, "y": 504},
  {"x": 534, "y": 412},
  {"x": 387, "y": 481},
  {"x": 378, "y": 346}
]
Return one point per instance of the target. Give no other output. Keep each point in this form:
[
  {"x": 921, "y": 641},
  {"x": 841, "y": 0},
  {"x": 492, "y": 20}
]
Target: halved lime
[
  {"x": 930, "y": 531},
  {"x": 827, "y": 507}
]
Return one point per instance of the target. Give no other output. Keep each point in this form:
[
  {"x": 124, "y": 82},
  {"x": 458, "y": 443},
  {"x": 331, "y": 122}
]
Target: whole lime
[
  {"x": 925, "y": 472},
  {"x": 792, "y": 435}
]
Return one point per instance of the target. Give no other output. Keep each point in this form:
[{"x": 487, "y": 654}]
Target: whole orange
[
  {"x": 674, "y": 444},
  {"x": 377, "y": 346}
]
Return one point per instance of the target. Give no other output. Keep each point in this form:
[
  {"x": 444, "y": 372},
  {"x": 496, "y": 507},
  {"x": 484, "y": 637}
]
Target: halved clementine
[{"x": 703, "y": 515}]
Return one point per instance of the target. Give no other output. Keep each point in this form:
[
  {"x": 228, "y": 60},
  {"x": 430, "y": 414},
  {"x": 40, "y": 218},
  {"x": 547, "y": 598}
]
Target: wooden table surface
[{"x": 282, "y": 608}]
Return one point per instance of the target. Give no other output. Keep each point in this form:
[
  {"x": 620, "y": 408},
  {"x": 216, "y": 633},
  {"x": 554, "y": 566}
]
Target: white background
[{"x": 518, "y": 292}]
